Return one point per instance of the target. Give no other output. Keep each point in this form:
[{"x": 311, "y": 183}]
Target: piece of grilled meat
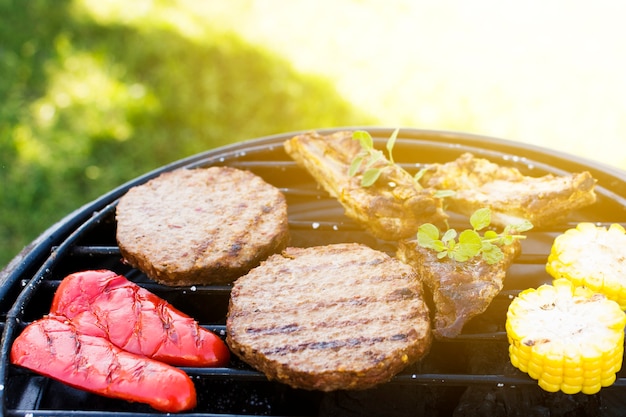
[
  {"x": 341, "y": 316},
  {"x": 201, "y": 226},
  {"x": 460, "y": 290},
  {"x": 509, "y": 194},
  {"x": 393, "y": 208}
]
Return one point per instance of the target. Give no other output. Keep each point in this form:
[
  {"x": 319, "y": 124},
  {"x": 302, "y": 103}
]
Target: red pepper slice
[
  {"x": 105, "y": 304},
  {"x": 52, "y": 346}
]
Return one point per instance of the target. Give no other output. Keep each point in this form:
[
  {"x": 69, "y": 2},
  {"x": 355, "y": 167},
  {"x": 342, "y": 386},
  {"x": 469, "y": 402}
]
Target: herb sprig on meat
[
  {"x": 469, "y": 243},
  {"x": 369, "y": 156}
]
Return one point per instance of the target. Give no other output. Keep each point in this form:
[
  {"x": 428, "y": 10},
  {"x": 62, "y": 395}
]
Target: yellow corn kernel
[
  {"x": 551, "y": 380},
  {"x": 568, "y": 338},
  {"x": 572, "y": 371},
  {"x": 592, "y": 256},
  {"x": 591, "y": 388},
  {"x": 568, "y": 388},
  {"x": 535, "y": 370},
  {"x": 572, "y": 384},
  {"x": 594, "y": 373},
  {"x": 548, "y": 386}
]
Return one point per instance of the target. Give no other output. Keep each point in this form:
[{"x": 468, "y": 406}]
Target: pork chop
[
  {"x": 392, "y": 208},
  {"x": 511, "y": 196},
  {"x": 460, "y": 290}
]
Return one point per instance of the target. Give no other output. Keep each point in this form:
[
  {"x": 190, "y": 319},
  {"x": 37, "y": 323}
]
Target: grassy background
[{"x": 94, "y": 93}]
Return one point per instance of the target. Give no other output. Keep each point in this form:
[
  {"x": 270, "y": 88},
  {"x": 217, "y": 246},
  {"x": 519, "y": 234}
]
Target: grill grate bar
[
  {"x": 103, "y": 251},
  {"x": 462, "y": 379},
  {"x": 86, "y": 413},
  {"x": 93, "y": 251}
]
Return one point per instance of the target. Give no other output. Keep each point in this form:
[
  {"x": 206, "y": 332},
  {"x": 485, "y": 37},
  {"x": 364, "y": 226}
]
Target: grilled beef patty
[
  {"x": 341, "y": 316},
  {"x": 200, "y": 226}
]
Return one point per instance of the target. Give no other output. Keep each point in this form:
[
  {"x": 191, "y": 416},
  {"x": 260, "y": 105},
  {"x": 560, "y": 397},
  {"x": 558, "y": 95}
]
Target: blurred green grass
[
  {"x": 94, "y": 93},
  {"x": 88, "y": 106}
]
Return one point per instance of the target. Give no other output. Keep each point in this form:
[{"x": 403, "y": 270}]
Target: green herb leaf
[
  {"x": 370, "y": 176},
  {"x": 492, "y": 254},
  {"x": 355, "y": 165},
  {"x": 467, "y": 247},
  {"x": 491, "y": 234},
  {"x": 470, "y": 243},
  {"x": 481, "y": 218},
  {"x": 419, "y": 174},
  {"x": 444, "y": 193},
  {"x": 364, "y": 138},
  {"x": 370, "y": 156},
  {"x": 375, "y": 156},
  {"x": 520, "y": 227},
  {"x": 427, "y": 234},
  {"x": 390, "y": 144},
  {"x": 449, "y": 235},
  {"x": 504, "y": 240}
]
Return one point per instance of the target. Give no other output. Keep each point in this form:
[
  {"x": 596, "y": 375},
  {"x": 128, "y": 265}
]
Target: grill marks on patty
[
  {"x": 201, "y": 226},
  {"x": 337, "y": 323},
  {"x": 351, "y": 342},
  {"x": 341, "y": 316}
]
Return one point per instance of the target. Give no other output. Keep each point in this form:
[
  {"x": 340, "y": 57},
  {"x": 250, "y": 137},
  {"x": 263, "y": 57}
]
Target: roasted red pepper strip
[
  {"x": 52, "y": 346},
  {"x": 105, "y": 304}
]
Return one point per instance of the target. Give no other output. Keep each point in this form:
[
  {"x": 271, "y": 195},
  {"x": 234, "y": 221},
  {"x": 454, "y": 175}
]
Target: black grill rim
[{"x": 32, "y": 265}]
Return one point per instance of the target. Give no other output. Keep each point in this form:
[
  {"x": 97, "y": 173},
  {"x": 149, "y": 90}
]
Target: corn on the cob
[
  {"x": 593, "y": 257},
  {"x": 568, "y": 338}
]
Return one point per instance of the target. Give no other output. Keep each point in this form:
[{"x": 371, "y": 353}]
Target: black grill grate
[{"x": 465, "y": 376}]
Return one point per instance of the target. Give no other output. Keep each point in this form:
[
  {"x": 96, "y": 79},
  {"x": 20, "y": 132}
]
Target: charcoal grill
[{"x": 466, "y": 376}]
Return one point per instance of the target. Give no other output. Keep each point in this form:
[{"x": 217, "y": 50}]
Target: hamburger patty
[
  {"x": 341, "y": 316},
  {"x": 200, "y": 226}
]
